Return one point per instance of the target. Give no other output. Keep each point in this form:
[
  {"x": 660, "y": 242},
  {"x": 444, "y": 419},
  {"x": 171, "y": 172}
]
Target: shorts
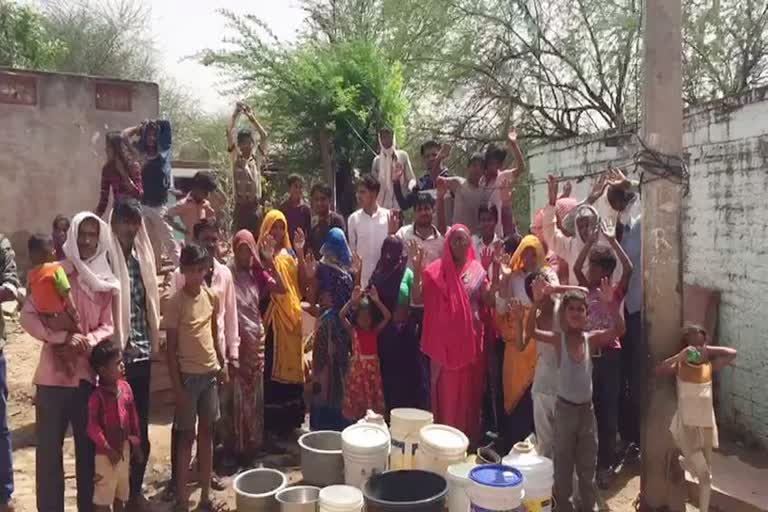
[
  {"x": 110, "y": 482},
  {"x": 203, "y": 394}
]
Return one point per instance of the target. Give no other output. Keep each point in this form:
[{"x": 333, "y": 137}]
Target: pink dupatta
[{"x": 449, "y": 336}]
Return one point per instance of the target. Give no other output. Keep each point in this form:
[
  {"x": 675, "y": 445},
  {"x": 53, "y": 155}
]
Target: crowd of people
[{"x": 457, "y": 312}]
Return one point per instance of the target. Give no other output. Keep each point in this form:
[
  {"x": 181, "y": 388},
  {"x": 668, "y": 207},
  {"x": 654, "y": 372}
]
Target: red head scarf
[
  {"x": 245, "y": 237},
  {"x": 449, "y": 336}
]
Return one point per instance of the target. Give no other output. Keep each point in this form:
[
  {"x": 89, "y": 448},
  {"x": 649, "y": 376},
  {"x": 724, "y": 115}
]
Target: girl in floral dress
[{"x": 363, "y": 388}]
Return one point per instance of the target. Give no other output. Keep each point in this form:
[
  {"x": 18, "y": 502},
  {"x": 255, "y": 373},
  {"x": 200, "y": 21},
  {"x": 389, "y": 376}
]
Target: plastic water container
[
  {"x": 495, "y": 487},
  {"x": 439, "y": 447},
  {"x": 341, "y": 498},
  {"x": 458, "y": 481},
  {"x": 405, "y": 425},
  {"x": 538, "y": 476},
  {"x": 365, "y": 448}
]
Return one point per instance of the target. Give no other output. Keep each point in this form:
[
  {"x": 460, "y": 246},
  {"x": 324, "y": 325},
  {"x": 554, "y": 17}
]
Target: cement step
[{"x": 739, "y": 480}]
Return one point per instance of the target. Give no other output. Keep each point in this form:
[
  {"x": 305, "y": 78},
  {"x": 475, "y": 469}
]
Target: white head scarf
[{"x": 94, "y": 274}]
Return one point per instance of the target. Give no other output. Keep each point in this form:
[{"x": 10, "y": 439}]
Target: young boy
[
  {"x": 195, "y": 207},
  {"x": 50, "y": 293},
  {"x": 323, "y": 218},
  {"x": 468, "y": 195},
  {"x": 575, "y": 436},
  {"x": 296, "y": 211},
  {"x": 59, "y": 235},
  {"x": 196, "y": 365},
  {"x": 486, "y": 235},
  {"x": 113, "y": 426},
  {"x": 607, "y": 360},
  {"x": 368, "y": 226}
]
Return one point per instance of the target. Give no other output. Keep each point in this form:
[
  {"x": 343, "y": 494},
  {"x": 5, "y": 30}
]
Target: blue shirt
[{"x": 632, "y": 244}]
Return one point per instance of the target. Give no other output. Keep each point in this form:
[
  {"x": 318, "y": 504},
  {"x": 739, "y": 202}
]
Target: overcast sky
[{"x": 182, "y": 28}]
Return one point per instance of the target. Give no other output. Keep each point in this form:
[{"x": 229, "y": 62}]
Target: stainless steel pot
[
  {"x": 255, "y": 490},
  {"x": 322, "y": 463},
  {"x": 301, "y": 498}
]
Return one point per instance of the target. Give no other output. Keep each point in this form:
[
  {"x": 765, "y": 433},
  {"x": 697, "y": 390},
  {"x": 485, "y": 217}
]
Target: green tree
[
  {"x": 315, "y": 95},
  {"x": 24, "y": 40}
]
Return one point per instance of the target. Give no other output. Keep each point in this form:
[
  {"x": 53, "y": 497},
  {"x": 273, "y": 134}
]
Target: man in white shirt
[
  {"x": 422, "y": 232},
  {"x": 384, "y": 165},
  {"x": 368, "y": 226},
  {"x": 486, "y": 236}
]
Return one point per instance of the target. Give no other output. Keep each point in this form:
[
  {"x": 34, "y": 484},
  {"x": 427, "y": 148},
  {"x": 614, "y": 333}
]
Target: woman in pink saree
[{"x": 454, "y": 289}]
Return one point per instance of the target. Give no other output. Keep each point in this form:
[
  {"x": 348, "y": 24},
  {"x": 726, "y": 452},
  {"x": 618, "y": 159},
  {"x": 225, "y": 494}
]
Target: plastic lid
[
  {"x": 444, "y": 438},
  {"x": 341, "y": 496},
  {"x": 460, "y": 471},
  {"x": 365, "y": 436},
  {"x": 496, "y": 475},
  {"x": 410, "y": 414}
]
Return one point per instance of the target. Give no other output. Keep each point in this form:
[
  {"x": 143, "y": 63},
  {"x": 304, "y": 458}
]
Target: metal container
[
  {"x": 255, "y": 490},
  {"x": 322, "y": 463},
  {"x": 301, "y": 498}
]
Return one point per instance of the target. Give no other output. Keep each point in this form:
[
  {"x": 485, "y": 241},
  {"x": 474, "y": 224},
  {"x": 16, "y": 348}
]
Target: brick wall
[
  {"x": 725, "y": 232},
  {"x": 52, "y": 129}
]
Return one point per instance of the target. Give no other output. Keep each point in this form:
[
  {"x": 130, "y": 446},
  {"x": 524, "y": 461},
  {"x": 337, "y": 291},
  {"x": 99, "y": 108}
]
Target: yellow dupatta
[
  {"x": 519, "y": 365},
  {"x": 284, "y": 311}
]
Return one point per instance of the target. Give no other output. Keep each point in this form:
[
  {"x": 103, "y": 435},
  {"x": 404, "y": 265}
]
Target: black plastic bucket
[{"x": 405, "y": 490}]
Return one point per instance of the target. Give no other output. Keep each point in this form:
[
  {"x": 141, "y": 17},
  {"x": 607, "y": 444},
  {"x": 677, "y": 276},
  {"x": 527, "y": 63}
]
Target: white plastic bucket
[
  {"x": 365, "y": 448},
  {"x": 341, "y": 498},
  {"x": 458, "y": 481},
  {"x": 495, "y": 487},
  {"x": 439, "y": 447},
  {"x": 538, "y": 476},
  {"x": 404, "y": 428}
]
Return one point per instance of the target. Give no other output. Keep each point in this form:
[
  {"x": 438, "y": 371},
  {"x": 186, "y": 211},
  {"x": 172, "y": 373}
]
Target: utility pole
[{"x": 662, "y": 480}]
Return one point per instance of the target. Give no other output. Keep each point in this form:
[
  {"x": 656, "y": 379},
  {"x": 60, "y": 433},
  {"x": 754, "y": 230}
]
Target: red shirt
[
  {"x": 112, "y": 418},
  {"x": 367, "y": 342}
]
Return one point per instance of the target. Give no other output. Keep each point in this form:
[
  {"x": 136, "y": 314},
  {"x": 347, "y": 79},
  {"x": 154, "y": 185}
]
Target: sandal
[
  {"x": 212, "y": 505},
  {"x": 218, "y": 483}
]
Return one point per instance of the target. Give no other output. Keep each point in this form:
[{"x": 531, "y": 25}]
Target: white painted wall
[{"x": 725, "y": 232}]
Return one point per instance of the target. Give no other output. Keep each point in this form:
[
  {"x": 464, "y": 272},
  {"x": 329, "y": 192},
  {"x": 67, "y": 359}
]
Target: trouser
[
  {"x": 138, "y": 376},
  {"x": 606, "y": 381},
  {"x": 6, "y": 451},
  {"x": 55, "y": 409},
  {"x": 575, "y": 447},
  {"x": 544, "y": 423},
  {"x": 631, "y": 378},
  {"x": 160, "y": 234},
  {"x": 247, "y": 215}
]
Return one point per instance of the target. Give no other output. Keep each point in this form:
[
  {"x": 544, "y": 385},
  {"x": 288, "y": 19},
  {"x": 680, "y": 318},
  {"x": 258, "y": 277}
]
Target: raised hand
[
  {"x": 607, "y": 291},
  {"x": 567, "y": 189},
  {"x": 415, "y": 254},
  {"x": 267, "y": 248},
  {"x": 486, "y": 257},
  {"x": 615, "y": 177},
  {"x": 357, "y": 295},
  {"x": 310, "y": 266},
  {"x": 598, "y": 188},
  {"x": 552, "y": 187},
  {"x": 541, "y": 289},
  {"x": 515, "y": 308},
  {"x": 393, "y": 221},
  {"x": 299, "y": 239},
  {"x": 373, "y": 293},
  {"x": 608, "y": 233}
]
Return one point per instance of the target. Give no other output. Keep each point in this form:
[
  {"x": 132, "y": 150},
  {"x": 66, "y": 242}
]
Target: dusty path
[{"x": 22, "y": 354}]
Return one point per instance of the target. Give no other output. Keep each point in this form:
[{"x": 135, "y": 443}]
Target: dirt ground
[{"x": 22, "y": 355}]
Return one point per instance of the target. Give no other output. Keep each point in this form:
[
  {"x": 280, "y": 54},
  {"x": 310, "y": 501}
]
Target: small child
[
  {"x": 607, "y": 359},
  {"x": 196, "y": 365},
  {"x": 693, "y": 426},
  {"x": 113, "y": 426},
  {"x": 59, "y": 234},
  {"x": 50, "y": 292},
  {"x": 363, "y": 389},
  {"x": 195, "y": 207},
  {"x": 575, "y": 429}
]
